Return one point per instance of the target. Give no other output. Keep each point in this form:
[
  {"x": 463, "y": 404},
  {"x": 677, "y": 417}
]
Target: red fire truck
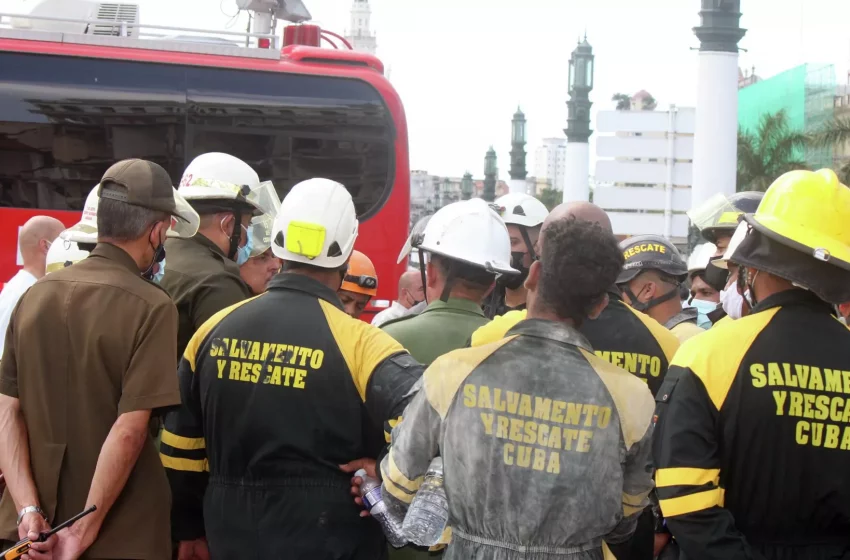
[{"x": 72, "y": 103}]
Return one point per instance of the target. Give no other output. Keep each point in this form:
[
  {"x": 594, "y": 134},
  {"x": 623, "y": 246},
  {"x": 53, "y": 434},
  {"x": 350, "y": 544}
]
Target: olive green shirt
[
  {"x": 439, "y": 329},
  {"x": 202, "y": 281}
]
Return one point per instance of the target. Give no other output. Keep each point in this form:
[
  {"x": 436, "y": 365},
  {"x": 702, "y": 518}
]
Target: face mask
[
  {"x": 515, "y": 281},
  {"x": 732, "y": 301},
  {"x": 158, "y": 263},
  {"x": 244, "y": 253},
  {"x": 414, "y": 301},
  {"x": 715, "y": 276},
  {"x": 703, "y": 309}
]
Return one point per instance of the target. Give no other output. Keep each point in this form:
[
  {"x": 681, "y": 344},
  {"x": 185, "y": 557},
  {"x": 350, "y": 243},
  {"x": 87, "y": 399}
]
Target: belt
[
  {"x": 527, "y": 549},
  {"x": 340, "y": 483}
]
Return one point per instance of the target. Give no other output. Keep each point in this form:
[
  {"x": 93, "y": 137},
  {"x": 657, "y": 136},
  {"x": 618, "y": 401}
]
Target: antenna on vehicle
[{"x": 265, "y": 14}]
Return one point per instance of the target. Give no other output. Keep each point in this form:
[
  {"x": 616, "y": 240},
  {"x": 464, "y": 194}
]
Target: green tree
[
  {"x": 624, "y": 102},
  {"x": 649, "y": 103},
  {"x": 835, "y": 134},
  {"x": 773, "y": 149},
  {"x": 550, "y": 197}
]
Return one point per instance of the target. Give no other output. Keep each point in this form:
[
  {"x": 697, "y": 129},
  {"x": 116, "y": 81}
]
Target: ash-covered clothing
[
  {"x": 753, "y": 436},
  {"x": 684, "y": 324},
  {"x": 442, "y": 327},
  {"x": 542, "y": 465},
  {"x": 278, "y": 391},
  {"x": 202, "y": 281},
  {"x": 627, "y": 338}
]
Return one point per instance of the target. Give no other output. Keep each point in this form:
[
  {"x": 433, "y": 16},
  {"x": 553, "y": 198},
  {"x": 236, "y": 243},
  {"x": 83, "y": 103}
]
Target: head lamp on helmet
[{"x": 360, "y": 277}]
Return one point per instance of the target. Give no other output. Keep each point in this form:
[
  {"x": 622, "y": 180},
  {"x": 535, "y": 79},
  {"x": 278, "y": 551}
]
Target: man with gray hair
[
  {"x": 90, "y": 355},
  {"x": 34, "y": 240}
]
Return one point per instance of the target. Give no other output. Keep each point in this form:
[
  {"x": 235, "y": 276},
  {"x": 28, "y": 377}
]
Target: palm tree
[
  {"x": 772, "y": 150},
  {"x": 649, "y": 103},
  {"x": 624, "y": 102},
  {"x": 833, "y": 134}
]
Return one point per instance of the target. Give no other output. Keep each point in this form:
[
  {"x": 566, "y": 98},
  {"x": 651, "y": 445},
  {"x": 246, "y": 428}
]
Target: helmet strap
[
  {"x": 236, "y": 234},
  {"x": 645, "y": 305},
  {"x": 524, "y": 231},
  {"x": 422, "y": 273},
  {"x": 447, "y": 289}
]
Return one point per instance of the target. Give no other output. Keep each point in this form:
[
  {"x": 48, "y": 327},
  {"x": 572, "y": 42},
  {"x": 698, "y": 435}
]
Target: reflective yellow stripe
[
  {"x": 399, "y": 479},
  {"x": 629, "y": 510},
  {"x": 181, "y": 442},
  {"x": 397, "y": 492},
  {"x": 686, "y": 476},
  {"x": 189, "y": 465},
  {"x": 635, "y": 500},
  {"x": 692, "y": 503}
]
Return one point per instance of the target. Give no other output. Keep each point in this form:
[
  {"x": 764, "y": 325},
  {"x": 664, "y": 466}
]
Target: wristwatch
[{"x": 30, "y": 509}]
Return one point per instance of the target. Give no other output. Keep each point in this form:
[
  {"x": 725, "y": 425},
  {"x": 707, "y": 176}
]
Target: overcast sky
[{"x": 462, "y": 66}]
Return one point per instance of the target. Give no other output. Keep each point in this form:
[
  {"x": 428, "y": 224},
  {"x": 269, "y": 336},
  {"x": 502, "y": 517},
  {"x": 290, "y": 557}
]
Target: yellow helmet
[{"x": 808, "y": 211}]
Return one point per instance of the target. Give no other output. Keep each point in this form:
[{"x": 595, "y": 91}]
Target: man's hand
[
  {"x": 661, "y": 541},
  {"x": 193, "y": 550},
  {"x": 371, "y": 468},
  {"x": 71, "y": 544},
  {"x": 31, "y": 525}
]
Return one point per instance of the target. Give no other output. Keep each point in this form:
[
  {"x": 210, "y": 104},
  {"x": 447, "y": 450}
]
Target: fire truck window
[
  {"x": 293, "y": 127},
  {"x": 64, "y": 121}
]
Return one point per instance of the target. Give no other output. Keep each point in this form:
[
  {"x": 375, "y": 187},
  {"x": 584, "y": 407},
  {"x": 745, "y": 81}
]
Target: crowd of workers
[{"x": 217, "y": 405}]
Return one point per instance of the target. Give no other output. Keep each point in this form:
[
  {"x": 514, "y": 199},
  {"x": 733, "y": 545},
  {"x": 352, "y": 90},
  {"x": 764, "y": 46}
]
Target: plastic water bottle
[
  {"x": 429, "y": 513},
  {"x": 370, "y": 491}
]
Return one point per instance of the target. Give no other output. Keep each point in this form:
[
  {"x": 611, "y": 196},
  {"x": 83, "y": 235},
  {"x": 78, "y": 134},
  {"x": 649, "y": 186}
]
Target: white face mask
[{"x": 732, "y": 301}]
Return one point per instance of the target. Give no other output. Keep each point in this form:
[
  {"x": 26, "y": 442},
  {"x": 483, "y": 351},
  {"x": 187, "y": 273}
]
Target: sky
[{"x": 461, "y": 67}]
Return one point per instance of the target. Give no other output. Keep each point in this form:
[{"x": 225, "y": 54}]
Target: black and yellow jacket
[
  {"x": 278, "y": 391},
  {"x": 545, "y": 446},
  {"x": 620, "y": 335},
  {"x": 752, "y": 443}
]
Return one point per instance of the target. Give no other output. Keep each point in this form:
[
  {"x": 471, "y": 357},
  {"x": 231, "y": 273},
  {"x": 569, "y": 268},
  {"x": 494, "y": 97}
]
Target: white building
[
  {"x": 550, "y": 162},
  {"x": 645, "y": 170},
  {"x": 359, "y": 34}
]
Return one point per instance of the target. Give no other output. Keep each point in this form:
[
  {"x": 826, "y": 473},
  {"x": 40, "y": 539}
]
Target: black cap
[{"x": 651, "y": 252}]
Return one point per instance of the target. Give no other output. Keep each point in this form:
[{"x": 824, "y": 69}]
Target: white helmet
[
  {"x": 470, "y": 231},
  {"x": 521, "y": 209},
  {"x": 700, "y": 257},
  {"x": 221, "y": 177},
  {"x": 316, "y": 224},
  {"x": 63, "y": 253},
  {"x": 85, "y": 231}
]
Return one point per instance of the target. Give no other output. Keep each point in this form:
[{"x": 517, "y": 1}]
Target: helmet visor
[{"x": 717, "y": 211}]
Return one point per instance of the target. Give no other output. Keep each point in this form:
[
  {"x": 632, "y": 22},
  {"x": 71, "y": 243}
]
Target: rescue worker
[
  {"x": 752, "y": 439},
  {"x": 468, "y": 245},
  {"x": 34, "y": 240},
  {"x": 516, "y": 448},
  {"x": 89, "y": 358},
  {"x": 523, "y": 215},
  {"x": 262, "y": 265},
  {"x": 203, "y": 272},
  {"x": 411, "y": 292},
  {"x": 359, "y": 285},
  {"x": 717, "y": 219},
  {"x": 277, "y": 391},
  {"x": 703, "y": 296},
  {"x": 650, "y": 282}
]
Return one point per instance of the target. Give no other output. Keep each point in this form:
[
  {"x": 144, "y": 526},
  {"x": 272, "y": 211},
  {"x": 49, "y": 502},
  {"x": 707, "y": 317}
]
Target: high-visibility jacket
[
  {"x": 684, "y": 324},
  {"x": 752, "y": 444},
  {"x": 628, "y": 339},
  {"x": 540, "y": 465},
  {"x": 278, "y": 391}
]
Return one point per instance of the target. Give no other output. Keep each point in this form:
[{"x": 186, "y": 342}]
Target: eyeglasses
[{"x": 363, "y": 281}]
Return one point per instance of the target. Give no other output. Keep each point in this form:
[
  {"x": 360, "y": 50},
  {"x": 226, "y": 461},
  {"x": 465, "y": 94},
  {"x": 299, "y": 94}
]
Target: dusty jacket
[
  {"x": 753, "y": 443},
  {"x": 278, "y": 392},
  {"x": 545, "y": 446}
]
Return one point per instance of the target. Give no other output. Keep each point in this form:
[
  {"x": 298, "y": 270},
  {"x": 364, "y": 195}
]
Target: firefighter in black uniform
[
  {"x": 752, "y": 441},
  {"x": 278, "y": 392}
]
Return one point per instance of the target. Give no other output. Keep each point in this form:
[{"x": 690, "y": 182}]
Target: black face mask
[
  {"x": 715, "y": 276},
  {"x": 158, "y": 257},
  {"x": 515, "y": 281}
]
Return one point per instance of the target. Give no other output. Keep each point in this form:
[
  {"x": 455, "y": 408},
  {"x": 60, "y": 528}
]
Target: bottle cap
[{"x": 361, "y": 473}]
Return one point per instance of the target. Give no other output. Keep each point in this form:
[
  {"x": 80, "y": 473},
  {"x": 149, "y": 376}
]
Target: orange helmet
[{"x": 361, "y": 277}]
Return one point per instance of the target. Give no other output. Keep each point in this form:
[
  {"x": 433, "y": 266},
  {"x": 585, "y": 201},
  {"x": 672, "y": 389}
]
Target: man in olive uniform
[
  {"x": 650, "y": 281},
  {"x": 202, "y": 276},
  {"x": 89, "y": 357},
  {"x": 468, "y": 244}
]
